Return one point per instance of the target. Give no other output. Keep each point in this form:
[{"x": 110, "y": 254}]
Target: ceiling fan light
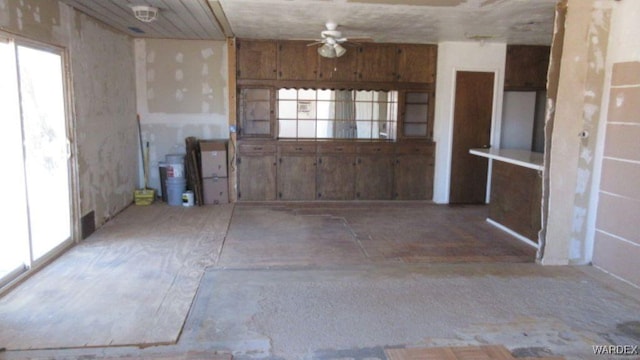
[
  {"x": 327, "y": 51},
  {"x": 339, "y": 49}
]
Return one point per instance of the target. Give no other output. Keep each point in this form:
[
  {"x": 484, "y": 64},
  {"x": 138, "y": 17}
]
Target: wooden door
[
  {"x": 336, "y": 177},
  {"x": 526, "y": 67},
  {"x": 411, "y": 178},
  {"x": 473, "y": 111},
  {"x": 256, "y": 59},
  {"x": 297, "y": 177},
  {"x": 256, "y": 171},
  {"x": 297, "y": 61}
]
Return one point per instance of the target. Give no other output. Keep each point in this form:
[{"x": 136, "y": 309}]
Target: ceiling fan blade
[
  {"x": 316, "y": 43},
  {"x": 359, "y": 40}
]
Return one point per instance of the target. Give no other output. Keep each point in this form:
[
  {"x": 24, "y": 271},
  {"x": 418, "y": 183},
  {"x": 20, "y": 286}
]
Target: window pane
[
  {"x": 364, "y": 95},
  {"x": 417, "y": 97},
  {"x": 325, "y": 95},
  {"x": 415, "y": 130},
  {"x": 324, "y": 129},
  {"x": 416, "y": 113},
  {"x": 306, "y": 129},
  {"x": 306, "y": 94},
  {"x": 364, "y": 111},
  {"x": 287, "y": 129},
  {"x": 306, "y": 109},
  {"x": 287, "y": 109},
  {"x": 364, "y": 129},
  {"x": 256, "y": 94},
  {"x": 324, "y": 109},
  {"x": 287, "y": 94}
]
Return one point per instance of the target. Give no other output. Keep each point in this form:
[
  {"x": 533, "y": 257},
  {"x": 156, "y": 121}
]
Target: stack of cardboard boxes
[{"x": 215, "y": 186}]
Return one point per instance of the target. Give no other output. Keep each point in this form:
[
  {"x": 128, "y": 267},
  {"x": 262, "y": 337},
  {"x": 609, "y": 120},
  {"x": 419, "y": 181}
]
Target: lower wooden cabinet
[
  {"x": 335, "y": 171},
  {"x": 256, "y": 172},
  {"x": 374, "y": 172},
  {"x": 413, "y": 173},
  {"x": 297, "y": 172}
]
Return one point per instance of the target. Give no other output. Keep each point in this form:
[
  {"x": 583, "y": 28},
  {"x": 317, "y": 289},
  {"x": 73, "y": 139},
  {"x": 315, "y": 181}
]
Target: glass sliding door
[{"x": 36, "y": 153}]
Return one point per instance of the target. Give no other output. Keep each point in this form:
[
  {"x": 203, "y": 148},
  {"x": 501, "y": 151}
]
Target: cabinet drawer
[
  {"x": 297, "y": 148},
  {"x": 336, "y": 148},
  {"x": 418, "y": 149},
  {"x": 257, "y": 148},
  {"x": 373, "y": 149}
]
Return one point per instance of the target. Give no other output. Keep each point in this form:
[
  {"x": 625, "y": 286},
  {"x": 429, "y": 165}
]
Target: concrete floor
[{"x": 347, "y": 281}]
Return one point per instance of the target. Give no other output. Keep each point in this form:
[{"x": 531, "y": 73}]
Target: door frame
[
  {"x": 73, "y": 175},
  {"x": 496, "y": 121}
]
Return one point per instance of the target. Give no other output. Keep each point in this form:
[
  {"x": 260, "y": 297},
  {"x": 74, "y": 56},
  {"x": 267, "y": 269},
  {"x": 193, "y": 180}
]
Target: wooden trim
[
  {"x": 233, "y": 107},
  {"x": 383, "y": 86}
]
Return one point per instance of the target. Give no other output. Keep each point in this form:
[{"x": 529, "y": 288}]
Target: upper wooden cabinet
[
  {"x": 257, "y": 59},
  {"x": 344, "y": 68},
  {"x": 526, "y": 67},
  {"x": 416, "y": 63},
  {"x": 297, "y": 61},
  {"x": 270, "y": 62},
  {"x": 377, "y": 62}
]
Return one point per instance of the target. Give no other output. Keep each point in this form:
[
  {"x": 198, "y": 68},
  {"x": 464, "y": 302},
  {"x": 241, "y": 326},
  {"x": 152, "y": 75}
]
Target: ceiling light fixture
[
  {"x": 145, "y": 13},
  {"x": 331, "y": 50}
]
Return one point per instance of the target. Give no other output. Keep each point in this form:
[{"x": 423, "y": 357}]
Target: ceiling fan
[{"x": 331, "y": 40}]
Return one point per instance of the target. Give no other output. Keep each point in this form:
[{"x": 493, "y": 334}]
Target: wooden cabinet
[
  {"x": 297, "y": 171},
  {"x": 413, "y": 173},
  {"x": 256, "y": 171},
  {"x": 526, "y": 67},
  {"x": 256, "y": 59},
  {"x": 344, "y": 68},
  {"x": 336, "y": 171},
  {"x": 256, "y": 112},
  {"x": 374, "y": 172},
  {"x": 297, "y": 61},
  {"x": 416, "y": 63},
  {"x": 377, "y": 62},
  {"x": 516, "y": 193}
]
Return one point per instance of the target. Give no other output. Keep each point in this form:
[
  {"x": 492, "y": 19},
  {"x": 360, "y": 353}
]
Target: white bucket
[
  {"x": 187, "y": 198},
  {"x": 175, "y": 165}
]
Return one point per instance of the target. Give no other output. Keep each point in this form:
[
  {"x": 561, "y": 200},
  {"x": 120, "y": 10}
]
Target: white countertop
[{"x": 528, "y": 159}]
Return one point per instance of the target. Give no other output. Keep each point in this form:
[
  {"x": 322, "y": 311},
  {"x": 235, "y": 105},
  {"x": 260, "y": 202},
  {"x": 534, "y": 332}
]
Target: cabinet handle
[
  {"x": 257, "y": 148},
  {"x": 298, "y": 149}
]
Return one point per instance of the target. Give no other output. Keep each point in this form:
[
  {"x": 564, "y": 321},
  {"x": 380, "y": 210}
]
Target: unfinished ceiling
[{"x": 404, "y": 21}]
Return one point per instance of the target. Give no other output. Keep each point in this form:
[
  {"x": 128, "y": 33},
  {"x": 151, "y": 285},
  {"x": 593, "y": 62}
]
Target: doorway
[
  {"x": 35, "y": 154},
  {"x": 473, "y": 111}
]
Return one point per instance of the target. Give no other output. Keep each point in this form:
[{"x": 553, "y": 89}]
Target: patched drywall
[
  {"x": 104, "y": 91},
  {"x": 574, "y": 132},
  {"x": 102, "y": 99},
  {"x": 182, "y": 91},
  {"x": 452, "y": 57}
]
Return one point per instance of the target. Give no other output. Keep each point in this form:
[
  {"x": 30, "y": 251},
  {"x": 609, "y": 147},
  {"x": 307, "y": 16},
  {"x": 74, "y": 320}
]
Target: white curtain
[{"x": 344, "y": 126}]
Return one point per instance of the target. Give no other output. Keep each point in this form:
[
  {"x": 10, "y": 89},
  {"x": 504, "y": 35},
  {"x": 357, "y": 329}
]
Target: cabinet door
[
  {"x": 297, "y": 177},
  {"x": 526, "y": 67},
  {"x": 344, "y": 68},
  {"x": 417, "y": 63},
  {"x": 297, "y": 61},
  {"x": 374, "y": 177},
  {"x": 256, "y": 59},
  {"x": 377, "y": 62},
  {"x": 256, "y": 112},
  {"x": 257, "y": 177},
  {"x": 336, "y": 177},
  {"x": 412, "y": 180}
]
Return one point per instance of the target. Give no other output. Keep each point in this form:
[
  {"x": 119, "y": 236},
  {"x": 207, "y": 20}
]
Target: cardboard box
[
  {"x": 215, "y": 190},
  {"x": 213, "y": 155}
]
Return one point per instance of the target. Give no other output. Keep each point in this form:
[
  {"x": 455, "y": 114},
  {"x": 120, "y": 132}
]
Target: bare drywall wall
[
  {"x": 182, "y": 91},
  {"x": 616, "y": 230},
  {"x": 452, "y": 57},
  {"x": 104, "y": 89},
  {"x": 102, "y": 98},
  {"x": 577, "y": 110}
]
